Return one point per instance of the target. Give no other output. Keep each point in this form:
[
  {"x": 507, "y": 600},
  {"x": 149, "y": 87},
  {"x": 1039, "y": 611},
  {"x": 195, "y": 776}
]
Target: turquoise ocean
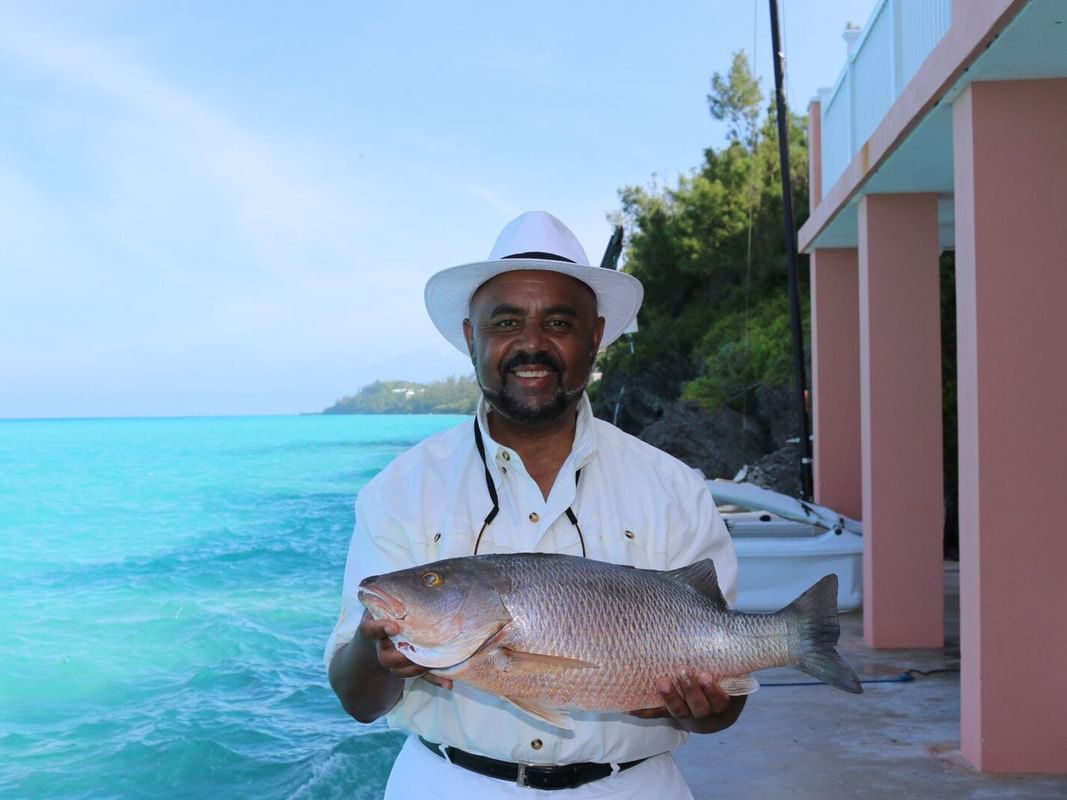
[{"x": 166, "y": 588}]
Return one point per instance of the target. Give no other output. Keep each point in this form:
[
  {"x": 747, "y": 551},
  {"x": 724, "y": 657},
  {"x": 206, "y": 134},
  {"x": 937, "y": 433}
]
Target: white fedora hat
[{"x": 534, "y": 240}]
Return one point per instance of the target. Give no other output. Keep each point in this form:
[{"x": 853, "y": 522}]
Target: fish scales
[
  {"x": 588, "y": 613},
  {"x": 563, "y": 632}
]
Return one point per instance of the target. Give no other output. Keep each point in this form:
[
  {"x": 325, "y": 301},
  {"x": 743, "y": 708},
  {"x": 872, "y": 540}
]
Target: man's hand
[
  {"x": 368, "y": 672},
  {"x": 697, "y": 704},
  {"x": 391, "y": 659}
]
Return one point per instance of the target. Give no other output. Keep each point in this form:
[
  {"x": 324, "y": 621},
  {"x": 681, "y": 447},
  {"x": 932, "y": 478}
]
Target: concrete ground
[{"x": 896, "y": 740}]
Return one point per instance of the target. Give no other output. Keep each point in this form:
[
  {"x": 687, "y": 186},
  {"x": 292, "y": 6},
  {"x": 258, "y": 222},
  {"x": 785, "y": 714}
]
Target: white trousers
[{"x": 417, "y": 774}]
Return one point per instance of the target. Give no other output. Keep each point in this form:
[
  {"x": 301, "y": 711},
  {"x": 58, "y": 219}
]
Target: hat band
[{"x": 541, "y": 256}]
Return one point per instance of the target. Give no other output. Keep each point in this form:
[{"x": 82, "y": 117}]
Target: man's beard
[{"x": 510, "y": 407}]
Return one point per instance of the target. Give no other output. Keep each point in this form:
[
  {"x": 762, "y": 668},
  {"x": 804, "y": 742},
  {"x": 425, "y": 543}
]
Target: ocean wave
[{"x": 168, "y": 589}]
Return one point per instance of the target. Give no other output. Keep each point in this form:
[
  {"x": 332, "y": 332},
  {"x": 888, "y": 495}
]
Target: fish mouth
[{"x": 381, "y": 603}]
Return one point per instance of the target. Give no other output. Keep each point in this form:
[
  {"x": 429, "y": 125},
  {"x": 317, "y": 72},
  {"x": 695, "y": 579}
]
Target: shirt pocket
[
  {"x": 440, "y": 542},
  {"x": 634, "y": 545}
]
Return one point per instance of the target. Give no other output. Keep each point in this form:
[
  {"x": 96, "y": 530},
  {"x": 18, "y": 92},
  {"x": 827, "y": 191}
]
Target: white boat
[{"x": 784, "y": 545}]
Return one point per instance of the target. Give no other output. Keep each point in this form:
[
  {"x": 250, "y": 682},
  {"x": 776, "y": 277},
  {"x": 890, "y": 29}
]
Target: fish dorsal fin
[
  {"x": 702, "y": 577},
  {"x": 737, "y": 685},
  {"x": 541, "y": 662},
  {"x": 553, "y": 716}
]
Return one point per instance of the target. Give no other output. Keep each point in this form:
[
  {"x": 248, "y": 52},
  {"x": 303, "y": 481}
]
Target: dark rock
[
  {"x": 635, "y": 401},
  {"x": 718, "y": 444},
  {"x": 779, "y": 471},
  {"x": 634, "y": 409},
  {"x": 777, "y": 410}
]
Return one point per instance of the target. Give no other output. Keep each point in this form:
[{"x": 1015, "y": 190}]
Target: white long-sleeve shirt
[{"x": 635, "y": 505}]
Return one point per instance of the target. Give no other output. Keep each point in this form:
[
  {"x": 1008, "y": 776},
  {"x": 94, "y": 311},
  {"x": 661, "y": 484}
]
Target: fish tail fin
[{"x": 814, "y": 620}]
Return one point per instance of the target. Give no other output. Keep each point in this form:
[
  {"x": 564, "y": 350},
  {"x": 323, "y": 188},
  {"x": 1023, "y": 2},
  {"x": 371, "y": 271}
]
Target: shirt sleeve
[
  {"x": 705, "y": 536},
  {"x": 379, "y": 545}
]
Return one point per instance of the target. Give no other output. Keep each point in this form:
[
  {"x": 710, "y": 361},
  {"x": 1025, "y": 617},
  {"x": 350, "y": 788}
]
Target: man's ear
[
  {"x": 598, "y": 334},
  {"x": 468, "y": 334}
]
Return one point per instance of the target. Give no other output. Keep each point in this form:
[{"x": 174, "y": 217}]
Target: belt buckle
[{"x": 520, "y": 777}]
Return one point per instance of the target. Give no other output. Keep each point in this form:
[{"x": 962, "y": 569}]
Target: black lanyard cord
[
  {"x": 488, "y": 485},
  {"x": 491, "y": 487},
  {"x": 574, "y": 518}
]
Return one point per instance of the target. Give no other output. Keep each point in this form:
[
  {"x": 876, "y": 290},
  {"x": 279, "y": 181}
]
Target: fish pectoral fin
[
  {"x": 737, "y": 685},
  {"x": 541, "y": 662},
  {"x": 553, "y": 716}
]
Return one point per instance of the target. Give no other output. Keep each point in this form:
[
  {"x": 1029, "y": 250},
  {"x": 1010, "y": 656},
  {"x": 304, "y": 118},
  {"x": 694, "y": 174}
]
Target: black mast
[{"x": 799, "y": 373}]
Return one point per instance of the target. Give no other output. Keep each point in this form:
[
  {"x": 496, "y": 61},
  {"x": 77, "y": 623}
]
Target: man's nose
[{"x": 532, "y": 336}]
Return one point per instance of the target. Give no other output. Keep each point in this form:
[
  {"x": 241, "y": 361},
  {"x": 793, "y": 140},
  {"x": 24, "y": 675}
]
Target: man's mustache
[{"x": 526, "y": 359}]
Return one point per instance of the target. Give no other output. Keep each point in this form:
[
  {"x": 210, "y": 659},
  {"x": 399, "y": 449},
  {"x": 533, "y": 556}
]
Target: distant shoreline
[{"x": 449, "y": 396}]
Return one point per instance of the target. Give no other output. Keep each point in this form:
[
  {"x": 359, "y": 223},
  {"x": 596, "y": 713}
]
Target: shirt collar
[{"x": 583, "y": 449}]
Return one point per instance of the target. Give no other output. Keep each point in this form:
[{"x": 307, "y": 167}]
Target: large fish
[{"x": 554, "y": 632}]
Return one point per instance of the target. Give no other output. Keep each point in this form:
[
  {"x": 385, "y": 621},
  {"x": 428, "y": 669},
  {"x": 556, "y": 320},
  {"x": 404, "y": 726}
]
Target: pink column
[
  {"x": 900, "y": 412},
  {"x": 835, "y": 379},
  {"x": 1011, "y": 284}
]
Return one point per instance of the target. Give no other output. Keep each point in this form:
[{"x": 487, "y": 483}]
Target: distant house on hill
[{"x": 449, "y": 396}]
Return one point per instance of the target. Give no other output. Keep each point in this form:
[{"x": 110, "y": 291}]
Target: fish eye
[{"x": 431, "y": 579}]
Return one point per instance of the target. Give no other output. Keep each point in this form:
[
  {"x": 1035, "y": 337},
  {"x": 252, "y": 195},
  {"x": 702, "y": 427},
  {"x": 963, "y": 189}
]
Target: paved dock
[{"x": 897, "y": 740}]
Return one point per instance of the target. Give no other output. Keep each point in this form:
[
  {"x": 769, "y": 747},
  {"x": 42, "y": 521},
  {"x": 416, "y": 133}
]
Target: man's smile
[{"x": 532, "y": 372}]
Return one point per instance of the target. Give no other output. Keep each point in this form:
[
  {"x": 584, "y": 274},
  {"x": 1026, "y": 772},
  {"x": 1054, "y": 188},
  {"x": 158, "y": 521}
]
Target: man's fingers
[
  {"x": 371, "y": 628},
  {"x": 718, "y": 700},
  {"x": 687, "y": 696},
  {"x": 389, "y": 657},
  {"x": 672, "y": 698},
  {"x": 400, "y": 666},
  {"x": 693, "y": 694},
  {"x": 396, "y": 662}
]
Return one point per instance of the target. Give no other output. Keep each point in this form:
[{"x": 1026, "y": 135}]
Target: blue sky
[{"x": 226, "y": 208}]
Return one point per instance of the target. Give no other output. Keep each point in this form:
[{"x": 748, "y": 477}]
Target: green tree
[
  {"x": 735, "y": 99},
  {"x": 711, "y": 255}
]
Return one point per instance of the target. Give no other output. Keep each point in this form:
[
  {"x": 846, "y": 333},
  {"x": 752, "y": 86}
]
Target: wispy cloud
[
  {"x": 493, "y": 200},
  {"x": 193, "y": 230},
  {"x": 161, "y": 132}
]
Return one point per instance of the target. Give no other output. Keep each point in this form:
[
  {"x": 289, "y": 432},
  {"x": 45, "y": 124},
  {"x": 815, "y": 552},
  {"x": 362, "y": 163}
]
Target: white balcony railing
[{"x": 882, "y": 58}]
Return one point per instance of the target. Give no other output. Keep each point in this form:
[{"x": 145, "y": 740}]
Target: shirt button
[
  {"x": 534, "y": 517},
  {"x": 537, "y": 744},
  {"x": 504, "y": 470},
  {"x": 506, "y": 455},
  {"x": 630, "y": 534},
  {"x": 437, "y": 536}
]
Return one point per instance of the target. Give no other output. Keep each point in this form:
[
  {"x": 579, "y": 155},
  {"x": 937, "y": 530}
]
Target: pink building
[{"x": 947, "y": 129}]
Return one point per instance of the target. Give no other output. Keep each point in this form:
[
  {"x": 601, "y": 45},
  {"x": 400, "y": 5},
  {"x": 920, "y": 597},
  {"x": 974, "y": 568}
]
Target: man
[{"x": 552, "y": 479}]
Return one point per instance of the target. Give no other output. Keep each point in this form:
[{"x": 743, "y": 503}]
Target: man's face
[{"x": 533, "y": 337}]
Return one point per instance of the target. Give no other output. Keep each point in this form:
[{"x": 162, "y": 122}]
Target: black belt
[{"x": 565, "y": 776}]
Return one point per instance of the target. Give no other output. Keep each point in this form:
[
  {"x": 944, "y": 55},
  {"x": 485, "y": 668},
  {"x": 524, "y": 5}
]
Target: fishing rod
[
  {"x": 613, "y": 250},
  {"x": 611, "y": 261},
  {"x": 799, "y": 372}
]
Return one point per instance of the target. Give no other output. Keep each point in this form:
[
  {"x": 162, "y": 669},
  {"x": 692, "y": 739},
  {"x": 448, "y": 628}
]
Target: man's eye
[
  {"x": 505, "y": 323},
  {"x": 559, "y": 324}
]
